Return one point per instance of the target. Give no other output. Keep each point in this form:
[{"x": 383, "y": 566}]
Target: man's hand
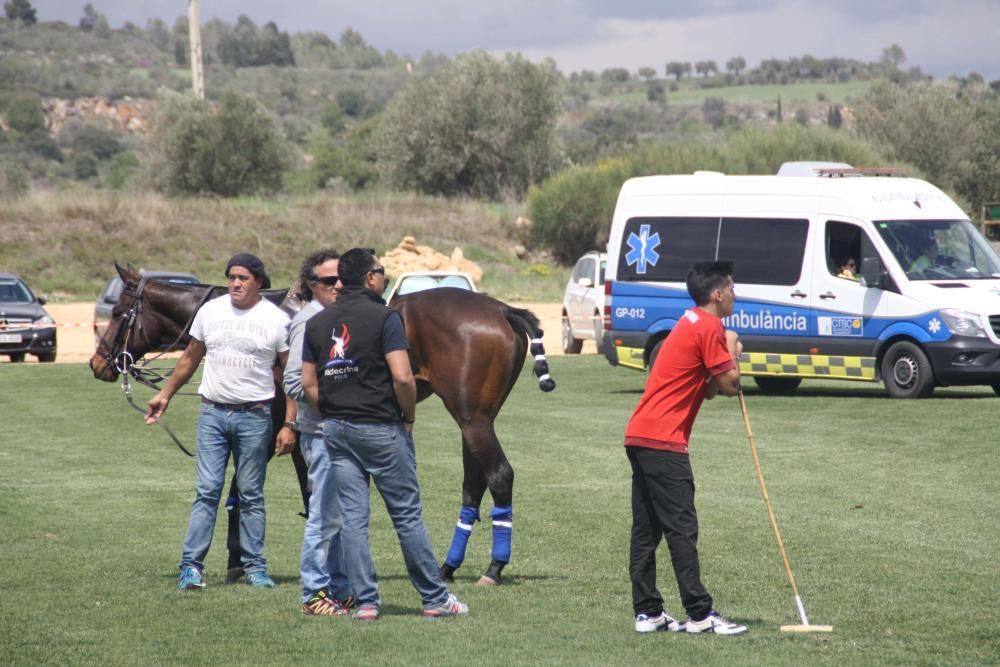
[
  {"x": 285, "y": 442},
  {"x": 734, "y": 345},
  {"x": 156, "y": 407}
]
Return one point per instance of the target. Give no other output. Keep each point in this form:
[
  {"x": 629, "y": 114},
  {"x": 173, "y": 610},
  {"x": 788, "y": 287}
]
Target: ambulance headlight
[{"x": 963, "y": 323}]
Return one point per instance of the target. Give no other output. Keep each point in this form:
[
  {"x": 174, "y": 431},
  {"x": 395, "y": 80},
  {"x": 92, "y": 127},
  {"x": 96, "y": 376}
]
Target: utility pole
[{"x": 194, "y": 36}]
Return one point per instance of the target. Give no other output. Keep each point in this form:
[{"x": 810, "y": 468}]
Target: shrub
[
  {"x": 479, "y": 126},
  {"x": 100, "y": 142},
  {"x": 236, "y": 150},
  {"x": 14, "y": 182},
  {"x": 121, "y": 170}
]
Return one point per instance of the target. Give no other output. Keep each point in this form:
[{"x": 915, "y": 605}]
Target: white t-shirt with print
[{"x": 242, "y": 347}]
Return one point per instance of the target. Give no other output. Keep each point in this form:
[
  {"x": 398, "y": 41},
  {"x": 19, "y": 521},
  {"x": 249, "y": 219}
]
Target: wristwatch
[{"x": 292, "y": 426}]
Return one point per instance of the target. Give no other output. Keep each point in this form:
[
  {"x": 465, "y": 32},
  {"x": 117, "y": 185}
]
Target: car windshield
[
  {"x": 940, "y": 249},
  {"x": 14, "y": 291}
]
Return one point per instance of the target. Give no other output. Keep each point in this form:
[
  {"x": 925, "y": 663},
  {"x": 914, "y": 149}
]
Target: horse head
[{"x": 147, "y": 315}]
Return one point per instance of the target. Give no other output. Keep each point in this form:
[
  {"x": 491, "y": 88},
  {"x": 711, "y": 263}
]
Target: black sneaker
[{"x": 714, "y": 623}]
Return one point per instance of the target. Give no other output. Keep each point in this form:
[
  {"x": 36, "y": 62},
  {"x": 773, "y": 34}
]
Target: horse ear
[{"x": 127, "y": 273}]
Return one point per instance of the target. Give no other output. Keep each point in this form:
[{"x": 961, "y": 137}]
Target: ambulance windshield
[{"x": 940, "y": 249}]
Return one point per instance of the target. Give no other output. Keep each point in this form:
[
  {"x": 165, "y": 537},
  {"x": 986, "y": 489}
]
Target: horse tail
[{"x": 526, "y": 324}]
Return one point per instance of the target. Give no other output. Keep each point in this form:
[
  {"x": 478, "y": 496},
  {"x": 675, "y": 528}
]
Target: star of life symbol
[
  {"x": 643, "y": 249},
  {"x": 934, "y": 325},
  {"x": 339, "y": 347}
]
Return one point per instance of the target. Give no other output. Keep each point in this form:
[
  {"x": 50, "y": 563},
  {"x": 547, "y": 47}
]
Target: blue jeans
[
  {"x": 322, "y": 561},
  {"x": 244, "y": 434},
  {"x": 360, "y": 452}
]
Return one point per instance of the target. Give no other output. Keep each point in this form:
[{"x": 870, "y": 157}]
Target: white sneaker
[
  {"x": 451, "y": 607},
  {"x": 646, "y": 622},
  {"x": 714, "y": 623}
]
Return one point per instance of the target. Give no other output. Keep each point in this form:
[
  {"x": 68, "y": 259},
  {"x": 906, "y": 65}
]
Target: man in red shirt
[{"x": 697, "y": 361}]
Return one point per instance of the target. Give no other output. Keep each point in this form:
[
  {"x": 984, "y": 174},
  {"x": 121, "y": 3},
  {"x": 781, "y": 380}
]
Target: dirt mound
[{"x": 408, "y": 256}]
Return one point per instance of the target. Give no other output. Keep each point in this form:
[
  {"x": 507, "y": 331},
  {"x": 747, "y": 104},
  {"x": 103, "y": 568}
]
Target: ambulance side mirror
[{"x": 873, "y": 274}]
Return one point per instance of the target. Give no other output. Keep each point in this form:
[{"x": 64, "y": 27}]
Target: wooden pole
[{"x": 194, "y": 37}]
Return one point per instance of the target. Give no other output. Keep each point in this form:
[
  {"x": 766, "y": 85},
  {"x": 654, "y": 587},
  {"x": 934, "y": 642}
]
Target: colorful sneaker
[
  {"x": 260, "y": 579},
  {"x": 345, "y": 605},
  {"x": 450, "y": 607},
  {"x": 321, "y": 604},
  {"x": 366, "y": 614},
  {"x": 646, "y": 621},
  {"x": 190, "y": 579},
  {"x": 714, "y": 623}
]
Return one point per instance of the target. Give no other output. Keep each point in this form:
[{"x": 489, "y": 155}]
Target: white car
[
  {"x": 583, "y": 304},
  {"x": 418, "y": 281}
]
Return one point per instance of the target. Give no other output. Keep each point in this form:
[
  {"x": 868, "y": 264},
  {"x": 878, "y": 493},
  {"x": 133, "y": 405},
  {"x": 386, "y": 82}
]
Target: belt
[{"x": 238, "y": 407}]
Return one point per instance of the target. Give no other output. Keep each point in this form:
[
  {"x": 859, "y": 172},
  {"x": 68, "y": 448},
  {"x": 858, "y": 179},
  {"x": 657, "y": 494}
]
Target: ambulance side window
[
  {"x": 766, "y": 251},
  {"x": 843, "y": 249}
]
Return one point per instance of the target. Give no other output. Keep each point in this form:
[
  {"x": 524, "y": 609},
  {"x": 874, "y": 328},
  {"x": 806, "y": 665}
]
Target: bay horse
[{"x": 465, "y": 347}]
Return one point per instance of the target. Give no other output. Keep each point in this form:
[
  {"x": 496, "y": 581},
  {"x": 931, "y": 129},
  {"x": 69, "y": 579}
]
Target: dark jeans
[{"x": 663, "y": 506}]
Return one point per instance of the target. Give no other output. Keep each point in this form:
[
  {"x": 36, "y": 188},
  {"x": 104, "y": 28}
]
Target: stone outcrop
[
  {"x": 124, "y": 115},
  {"x": 408, "y": 256}
]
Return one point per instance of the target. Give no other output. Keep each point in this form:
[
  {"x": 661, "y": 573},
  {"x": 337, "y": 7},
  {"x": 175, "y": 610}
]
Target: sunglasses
[
  {"x": 380, "y": 269},
  {"x": 329, "y": 281}
]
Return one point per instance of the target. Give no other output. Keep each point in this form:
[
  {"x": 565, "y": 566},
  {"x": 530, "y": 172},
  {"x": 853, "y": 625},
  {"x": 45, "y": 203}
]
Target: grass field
[
  {"x": 887, "y": 508},
  {"x": 838, "y": 93}
]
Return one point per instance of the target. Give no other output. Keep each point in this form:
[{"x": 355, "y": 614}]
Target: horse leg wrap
[
  {"x": 463, "y": 529},
  {"x": 541, "y": 368},
  {"x": 503, "y": 529},
  {"x": 234, "y": 566}
]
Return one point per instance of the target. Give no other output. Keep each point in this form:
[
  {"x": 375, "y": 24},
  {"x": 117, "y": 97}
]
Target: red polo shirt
[{"x": 694, "y": 351}]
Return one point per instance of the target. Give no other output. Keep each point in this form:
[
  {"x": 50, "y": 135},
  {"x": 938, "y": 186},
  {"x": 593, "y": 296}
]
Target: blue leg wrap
[
  {"x": 503, "y": 529},
  {"x": 232, "y": 502},
  {"x": 463, "y": 529}
]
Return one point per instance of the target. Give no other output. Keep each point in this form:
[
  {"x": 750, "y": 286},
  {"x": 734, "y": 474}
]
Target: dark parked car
[
  {"x": 25, "y": 327},
  {"x": 109, "y": 297}
]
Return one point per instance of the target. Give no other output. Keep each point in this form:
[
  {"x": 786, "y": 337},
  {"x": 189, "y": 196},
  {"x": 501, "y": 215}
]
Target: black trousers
[{"x": 663, "y": 506}]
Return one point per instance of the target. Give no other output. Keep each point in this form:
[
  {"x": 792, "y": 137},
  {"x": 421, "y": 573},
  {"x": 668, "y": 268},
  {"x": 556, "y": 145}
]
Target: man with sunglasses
[
  {"x": 356, "y": 373},
  {"x": 241, "y": 337},
  {"x": 325, "y": 589}
]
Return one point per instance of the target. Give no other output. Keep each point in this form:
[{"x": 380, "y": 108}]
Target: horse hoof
[
  {"x": 487, "y": 581},
  {"x": 234, "y": 574}
]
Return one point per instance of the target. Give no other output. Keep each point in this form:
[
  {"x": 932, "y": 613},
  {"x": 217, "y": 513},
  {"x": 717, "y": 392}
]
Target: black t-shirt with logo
[{"x": 348, "y": 341}]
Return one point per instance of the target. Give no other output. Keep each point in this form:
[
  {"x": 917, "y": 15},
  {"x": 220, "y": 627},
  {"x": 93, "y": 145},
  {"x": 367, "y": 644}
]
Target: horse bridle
[{"x": 119, "y": 358}]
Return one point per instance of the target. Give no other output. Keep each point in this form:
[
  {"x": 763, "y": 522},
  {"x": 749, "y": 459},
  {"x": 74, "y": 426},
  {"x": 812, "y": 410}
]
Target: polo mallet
[{"x": 804, "y": 626}]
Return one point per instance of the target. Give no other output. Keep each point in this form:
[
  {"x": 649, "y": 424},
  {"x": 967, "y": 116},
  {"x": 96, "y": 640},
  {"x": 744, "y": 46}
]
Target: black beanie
[{"x": 252, "y": 264}]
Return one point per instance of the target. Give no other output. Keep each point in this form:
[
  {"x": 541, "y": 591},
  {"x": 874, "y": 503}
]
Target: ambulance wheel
[
  {"x": 770, "y": 385},
  {"x": 906, "y": 371},
  {"x": 570, "y": 345},
  {"x": 655, "y": 352}
]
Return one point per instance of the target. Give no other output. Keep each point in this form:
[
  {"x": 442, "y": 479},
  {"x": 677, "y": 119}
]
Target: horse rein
[{"x": 123, "y": 361}]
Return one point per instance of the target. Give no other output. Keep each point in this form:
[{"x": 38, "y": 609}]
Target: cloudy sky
[{"x": 942, "y": 38}]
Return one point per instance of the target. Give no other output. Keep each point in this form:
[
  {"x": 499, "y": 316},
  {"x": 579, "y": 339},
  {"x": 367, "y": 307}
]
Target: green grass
[
  {"x": 838, "y": 93},
  {"x": 887, "y": 509}
]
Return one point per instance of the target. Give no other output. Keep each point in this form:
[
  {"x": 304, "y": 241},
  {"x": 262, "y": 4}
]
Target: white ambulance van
[{"x": 922, "y": 311}]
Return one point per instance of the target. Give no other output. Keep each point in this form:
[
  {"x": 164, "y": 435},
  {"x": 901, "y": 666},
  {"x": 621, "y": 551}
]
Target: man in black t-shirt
[{"x": 356, "y": 372}]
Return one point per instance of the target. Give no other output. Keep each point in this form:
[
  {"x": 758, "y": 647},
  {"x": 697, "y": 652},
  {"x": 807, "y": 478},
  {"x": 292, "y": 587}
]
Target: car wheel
[
  {"x": 46, "y": 358},
  {"x": 906, "y": 372},
  {"x": 570, "y": 345},
  {"x": 599, "y": 335},
  {"x": 770, "y": 385},
  {"x": 17, "y": 357}
]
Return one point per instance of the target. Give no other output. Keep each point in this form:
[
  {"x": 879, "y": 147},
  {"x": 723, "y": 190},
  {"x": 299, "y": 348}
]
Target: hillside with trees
[{"x": 104, "y": 108}]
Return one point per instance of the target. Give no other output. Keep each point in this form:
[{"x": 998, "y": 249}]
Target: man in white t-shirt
[{"x": 241, "y": 337}]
